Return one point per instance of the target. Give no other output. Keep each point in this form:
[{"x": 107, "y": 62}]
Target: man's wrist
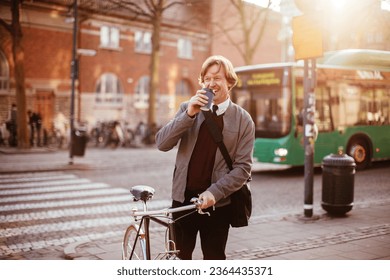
[{"x": 188, "y": 114}]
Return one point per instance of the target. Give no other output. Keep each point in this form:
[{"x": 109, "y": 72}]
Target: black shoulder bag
[{"x": 241, "y": 200}]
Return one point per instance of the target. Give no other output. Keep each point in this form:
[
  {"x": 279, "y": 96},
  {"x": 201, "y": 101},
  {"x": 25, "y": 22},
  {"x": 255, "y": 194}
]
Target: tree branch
[{"x": 232, "y": 40}]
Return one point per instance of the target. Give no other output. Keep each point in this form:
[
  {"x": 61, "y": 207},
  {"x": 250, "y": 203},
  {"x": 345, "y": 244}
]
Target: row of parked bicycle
[
  {"x": 115, "y": 134},
  {"x": 111, "y": 134}
]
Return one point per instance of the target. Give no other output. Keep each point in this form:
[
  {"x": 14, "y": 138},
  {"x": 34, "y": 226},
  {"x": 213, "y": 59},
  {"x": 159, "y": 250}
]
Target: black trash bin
[
  {"x": 338, "y": 178},
  {"x": 79, "y": 142}
]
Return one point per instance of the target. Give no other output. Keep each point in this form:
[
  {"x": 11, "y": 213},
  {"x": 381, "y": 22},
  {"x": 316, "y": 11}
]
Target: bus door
[{"x": 327, "y": 137}]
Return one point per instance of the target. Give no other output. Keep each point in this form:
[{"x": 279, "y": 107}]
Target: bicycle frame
[
  {"x": 145, "y": 224},
  {"x": 148, "y": 216},
  {"x": 142, "y": 219}
]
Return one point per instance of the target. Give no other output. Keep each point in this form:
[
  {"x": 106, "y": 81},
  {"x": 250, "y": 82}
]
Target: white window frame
[
  {"x": 184, "y": 48},
  {"x": 143, "y": 42},
  {"x": 109, "y": 90},
  {"x": 142, "y": 92},
  {"x": 109, "y": 37},
  {"x": 4, "y": 73},
  {"x": 184, "y": 89}
]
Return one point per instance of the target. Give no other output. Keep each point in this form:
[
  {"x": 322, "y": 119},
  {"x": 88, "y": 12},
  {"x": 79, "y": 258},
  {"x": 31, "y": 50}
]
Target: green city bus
[{"x": 352, "y": 101}]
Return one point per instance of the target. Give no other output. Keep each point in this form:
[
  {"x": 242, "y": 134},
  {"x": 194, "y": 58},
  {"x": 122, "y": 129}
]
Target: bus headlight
[{"x": 281, "y": 152}]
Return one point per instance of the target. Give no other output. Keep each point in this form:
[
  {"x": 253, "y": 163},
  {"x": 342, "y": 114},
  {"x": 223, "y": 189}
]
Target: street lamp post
[{"x": 74, "y": 76}]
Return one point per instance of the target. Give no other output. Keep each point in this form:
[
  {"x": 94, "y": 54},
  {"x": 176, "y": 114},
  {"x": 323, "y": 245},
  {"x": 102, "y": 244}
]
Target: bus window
[
  {"x": 384, "y": 106},
  {"x": 361, "y": 106},
  {"x": 266, "y": 95},
  {"x": 377, "y": 106},
  {"x": 271, "y": 112},
  {"x": 242, "y": 98},
  {"x": 323, "y": 109},
  {"x": 350, "y": 104}
]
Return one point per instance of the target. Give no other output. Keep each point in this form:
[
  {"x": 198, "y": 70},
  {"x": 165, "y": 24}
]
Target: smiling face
[
  {"x": 215, "y": 79},
  {"x": 218, "y": 74}
]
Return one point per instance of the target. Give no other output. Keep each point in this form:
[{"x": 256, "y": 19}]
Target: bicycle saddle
[{"x": 141, "y": 192}]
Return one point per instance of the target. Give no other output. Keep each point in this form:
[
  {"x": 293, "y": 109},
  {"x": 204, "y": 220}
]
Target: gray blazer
[{"x": 238, "y": 136}]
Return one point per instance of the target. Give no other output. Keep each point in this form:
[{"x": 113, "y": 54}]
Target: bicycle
[{"x": 136, "y": 242}]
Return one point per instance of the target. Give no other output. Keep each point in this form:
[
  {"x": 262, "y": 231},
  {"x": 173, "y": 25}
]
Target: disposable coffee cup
[{"x": 210, "y": 95}]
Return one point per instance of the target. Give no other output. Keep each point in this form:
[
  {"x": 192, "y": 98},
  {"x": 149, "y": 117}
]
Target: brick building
[{"x": 113, "y": 83}]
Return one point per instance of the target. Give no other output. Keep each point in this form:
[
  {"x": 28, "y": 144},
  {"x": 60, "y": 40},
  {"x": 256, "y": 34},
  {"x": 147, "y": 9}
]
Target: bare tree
[
  {"x": 15, "y": 30},
  {"x": 152, "y": 11},
  {"x": 251, "y": 24}
]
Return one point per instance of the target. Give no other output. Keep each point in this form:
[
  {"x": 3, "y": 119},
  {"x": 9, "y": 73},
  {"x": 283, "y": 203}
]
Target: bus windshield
[{"x": 267, "y": 97}]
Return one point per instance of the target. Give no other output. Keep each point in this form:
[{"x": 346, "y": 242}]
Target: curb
[
  {"x": 16, "y": 151},
  {"x": 77, "y": 166}
]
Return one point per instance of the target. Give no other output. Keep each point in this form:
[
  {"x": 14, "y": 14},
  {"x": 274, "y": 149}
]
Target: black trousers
[{"x": 213, "y": 230}]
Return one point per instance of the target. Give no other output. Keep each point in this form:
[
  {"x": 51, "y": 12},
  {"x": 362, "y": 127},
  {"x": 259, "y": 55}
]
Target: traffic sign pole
[{"x": 307, "y": 41}]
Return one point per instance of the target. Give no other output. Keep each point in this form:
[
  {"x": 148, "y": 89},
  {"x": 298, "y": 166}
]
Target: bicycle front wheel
[{"x": 134, "y": 248}]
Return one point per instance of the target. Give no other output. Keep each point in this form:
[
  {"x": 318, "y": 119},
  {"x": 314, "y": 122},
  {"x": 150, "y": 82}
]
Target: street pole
[
  {"x": 73, "y": 75},
  {"x": 309, "y": 133}
]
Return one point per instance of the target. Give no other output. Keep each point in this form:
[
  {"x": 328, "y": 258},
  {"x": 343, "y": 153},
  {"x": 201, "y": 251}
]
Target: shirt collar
[{"x": 222, "y": 107}]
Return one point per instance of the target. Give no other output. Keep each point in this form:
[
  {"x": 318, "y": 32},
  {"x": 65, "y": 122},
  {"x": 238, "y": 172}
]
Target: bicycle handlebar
[{"x": 196, "y": 202}]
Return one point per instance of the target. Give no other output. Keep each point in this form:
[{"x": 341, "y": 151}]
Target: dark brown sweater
[{"x": 201, "y": 164}]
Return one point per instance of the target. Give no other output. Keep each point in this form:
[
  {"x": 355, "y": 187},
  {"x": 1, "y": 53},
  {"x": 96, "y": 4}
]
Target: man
[
  {"x": 12, "y": 126},
  {"x": 38, "y": 125},
  {"x": 32, "y": 126},
  {"x": 200, "y": 168}
]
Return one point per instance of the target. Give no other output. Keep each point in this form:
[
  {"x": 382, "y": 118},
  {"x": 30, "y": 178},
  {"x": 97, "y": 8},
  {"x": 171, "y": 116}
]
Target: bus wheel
[{"x": 359, "y": 150}]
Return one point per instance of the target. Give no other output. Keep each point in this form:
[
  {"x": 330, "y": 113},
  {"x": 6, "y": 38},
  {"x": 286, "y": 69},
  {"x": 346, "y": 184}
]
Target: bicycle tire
[{"x": 130, "y": 241}]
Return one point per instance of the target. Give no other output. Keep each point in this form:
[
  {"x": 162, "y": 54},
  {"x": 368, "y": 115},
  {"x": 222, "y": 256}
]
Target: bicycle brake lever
[
  {"x": 198, "y": 202},
  {"x": 200, "y": 211}
]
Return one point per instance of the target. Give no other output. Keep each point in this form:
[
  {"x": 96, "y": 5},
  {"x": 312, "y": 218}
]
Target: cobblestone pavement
[
  {"x": 281, "y": 237},
  {"x": 313, "y": 242}
]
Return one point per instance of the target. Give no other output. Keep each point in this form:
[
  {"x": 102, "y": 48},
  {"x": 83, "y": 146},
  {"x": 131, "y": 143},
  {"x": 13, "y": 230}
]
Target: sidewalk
[
  {"x": 363, "y": 234},
  {"x": 15, "y": 164}
]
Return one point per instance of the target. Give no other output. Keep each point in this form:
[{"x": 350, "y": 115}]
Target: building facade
[{"x": 114, "y": 54}]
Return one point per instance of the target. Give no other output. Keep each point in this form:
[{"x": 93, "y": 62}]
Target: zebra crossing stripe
[
  {"x": 35, "y": 245},
  {"x": 59, "y": 204},
  {"x": 50, "y": 189},
  {"x": 9, "y": 180},
  {"x": 64, "y": 226},
  {"x": 31, "y": 175},
  {"x": 43, "y": 184},
  {"x": 62, "y": 195}
]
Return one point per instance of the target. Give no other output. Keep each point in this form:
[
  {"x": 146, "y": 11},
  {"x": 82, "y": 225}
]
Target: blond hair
[{"x": 219, "y": 60}]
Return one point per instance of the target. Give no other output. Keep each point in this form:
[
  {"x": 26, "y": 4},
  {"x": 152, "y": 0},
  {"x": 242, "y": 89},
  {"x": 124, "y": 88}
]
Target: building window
[
  {"x": 183, "y": 92},
  {"x": 143, "y": 42},
  {"x": 184, "y": 48},
  {"x": 109, "y": 37},
  {"x": 374, "y": 37},
  {"x": 109, "y": 90},
  {"x": 4, "y": 73},
  {"x": 142, "y": 93},
  {"x": 183, "y": 89}
]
